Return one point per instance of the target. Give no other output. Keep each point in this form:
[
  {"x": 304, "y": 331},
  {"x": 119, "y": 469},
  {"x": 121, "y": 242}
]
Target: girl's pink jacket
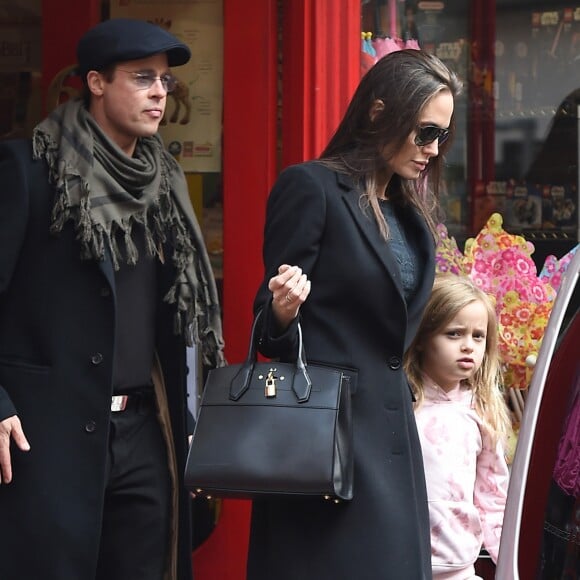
[{"x": 467, "y": 480}]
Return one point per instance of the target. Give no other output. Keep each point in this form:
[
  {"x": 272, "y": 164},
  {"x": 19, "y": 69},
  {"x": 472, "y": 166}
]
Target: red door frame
[
  {"x": 59, "y": 38},
  {"x": 320, "y": 69},
  {"x": 481, "y": 137},
  {"x": 249, "y": 170}
]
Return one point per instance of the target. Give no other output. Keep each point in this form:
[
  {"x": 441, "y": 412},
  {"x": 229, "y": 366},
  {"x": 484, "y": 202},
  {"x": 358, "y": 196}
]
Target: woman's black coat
[
  {"x": 57, "y": 321},
  {"x": 355, "y": 317}
]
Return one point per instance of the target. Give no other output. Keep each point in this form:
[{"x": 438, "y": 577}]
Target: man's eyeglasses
[
  {"x": 428, "y": 133},
  {"x": 145, "y": 79}
]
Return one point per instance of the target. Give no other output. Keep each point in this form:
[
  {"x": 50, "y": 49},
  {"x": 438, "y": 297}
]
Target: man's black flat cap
[{"x": 122, "y": 39}]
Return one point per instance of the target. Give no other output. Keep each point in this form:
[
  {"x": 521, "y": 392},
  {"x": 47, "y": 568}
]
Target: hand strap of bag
[{"x": 301, "y": 383}]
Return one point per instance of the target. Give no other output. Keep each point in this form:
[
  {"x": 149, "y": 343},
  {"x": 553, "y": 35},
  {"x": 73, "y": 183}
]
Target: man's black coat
[{"x": 57, "y": 322}]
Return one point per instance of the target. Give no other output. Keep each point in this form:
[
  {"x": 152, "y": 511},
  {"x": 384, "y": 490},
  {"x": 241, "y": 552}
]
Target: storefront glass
[
  {"x": 20, "y": 67},
  {"x": 516, "y": 148}
]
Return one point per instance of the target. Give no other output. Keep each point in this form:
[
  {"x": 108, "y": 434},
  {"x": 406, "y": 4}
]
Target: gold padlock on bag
[{"x": 270, "y": 389}]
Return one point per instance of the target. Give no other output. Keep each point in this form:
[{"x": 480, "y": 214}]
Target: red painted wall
[
  {"x": 249, "y": 170},
  {"x": 59, "y": 37},
  {"x": 320, "y": 69}
]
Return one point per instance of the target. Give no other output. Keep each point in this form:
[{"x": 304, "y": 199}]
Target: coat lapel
[
  {"x": 416, "y": 228},
  {"x": 367, "y": 226}
]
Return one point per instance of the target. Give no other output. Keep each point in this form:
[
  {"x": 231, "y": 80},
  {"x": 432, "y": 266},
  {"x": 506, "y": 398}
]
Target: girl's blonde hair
[{"x": 451, "y": 294}]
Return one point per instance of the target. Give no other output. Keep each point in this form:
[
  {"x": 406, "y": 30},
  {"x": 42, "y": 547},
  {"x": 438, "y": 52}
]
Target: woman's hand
[{"x": 289, "y": 288}]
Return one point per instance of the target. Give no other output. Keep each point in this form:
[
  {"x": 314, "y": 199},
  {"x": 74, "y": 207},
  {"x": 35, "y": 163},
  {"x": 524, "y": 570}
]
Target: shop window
[
  {"x": 516, "y": 147},
  {"x": 20, "y": 67}
]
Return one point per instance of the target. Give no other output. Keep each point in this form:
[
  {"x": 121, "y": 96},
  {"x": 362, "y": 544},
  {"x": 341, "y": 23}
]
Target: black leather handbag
[{"x": 273, "y": 429}]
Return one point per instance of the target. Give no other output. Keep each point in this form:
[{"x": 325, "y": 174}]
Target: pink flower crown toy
[{"x": 501, "y": 265}]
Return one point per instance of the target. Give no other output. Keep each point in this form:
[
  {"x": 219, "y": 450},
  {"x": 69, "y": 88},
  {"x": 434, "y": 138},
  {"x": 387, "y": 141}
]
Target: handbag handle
[{"x": 301, "y": 383}]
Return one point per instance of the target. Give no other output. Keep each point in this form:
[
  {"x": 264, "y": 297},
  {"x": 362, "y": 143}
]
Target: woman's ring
[{"x": 289, "y": 298}]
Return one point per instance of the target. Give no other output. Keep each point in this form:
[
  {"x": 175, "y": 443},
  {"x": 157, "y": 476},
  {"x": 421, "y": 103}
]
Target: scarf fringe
[
  {"x": 130, "y": 247},
  {"x": 72, "y": 144}
]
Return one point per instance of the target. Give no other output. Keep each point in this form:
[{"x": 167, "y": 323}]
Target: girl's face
[
  {"x": 456, "y": 351},
  {"x": 412, "y": 159}
]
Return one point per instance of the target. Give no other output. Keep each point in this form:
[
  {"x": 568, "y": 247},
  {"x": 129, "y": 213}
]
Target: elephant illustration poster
[{"x": 191, "y": 127}]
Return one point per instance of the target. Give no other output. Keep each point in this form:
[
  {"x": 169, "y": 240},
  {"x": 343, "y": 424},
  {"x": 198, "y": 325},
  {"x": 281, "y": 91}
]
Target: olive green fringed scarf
[{"x": 105, "y": 193}]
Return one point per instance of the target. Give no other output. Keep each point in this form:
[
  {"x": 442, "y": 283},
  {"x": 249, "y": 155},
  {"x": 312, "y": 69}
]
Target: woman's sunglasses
[{"x": 428, "y": 133}]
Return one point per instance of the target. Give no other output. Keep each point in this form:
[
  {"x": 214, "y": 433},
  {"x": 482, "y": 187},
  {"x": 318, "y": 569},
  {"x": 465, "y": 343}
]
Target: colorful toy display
[{"x": 500, "y": 264}]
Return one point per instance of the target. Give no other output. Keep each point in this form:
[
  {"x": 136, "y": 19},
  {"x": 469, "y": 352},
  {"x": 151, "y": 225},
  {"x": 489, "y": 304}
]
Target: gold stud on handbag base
[{"x": 199, "y": 491}]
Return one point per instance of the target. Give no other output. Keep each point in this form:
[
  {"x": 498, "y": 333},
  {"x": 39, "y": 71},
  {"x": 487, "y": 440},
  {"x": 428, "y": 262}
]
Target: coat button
[
  {"x": 394, "y": 363},
  {"x": 90, "y": 427},
  {"x": 97, "y": 358},
  {"x": 105, "y": 291}
]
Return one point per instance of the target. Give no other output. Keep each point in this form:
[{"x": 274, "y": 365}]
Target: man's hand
[{"x": 10, "y": 428}]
